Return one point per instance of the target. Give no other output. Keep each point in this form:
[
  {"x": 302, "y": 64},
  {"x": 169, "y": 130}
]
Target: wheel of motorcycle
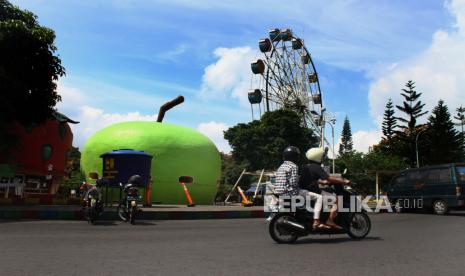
[
  {"x": 92, "y": 216},
  {"x": 132, "y": 217},
  {"x": 440, "y": 207},
  {"x": 122, "y": 212},
  {"x": 278, "y": 233},
  {"x": 359, "y": 225},
  {"x": 86, "y": 214}
]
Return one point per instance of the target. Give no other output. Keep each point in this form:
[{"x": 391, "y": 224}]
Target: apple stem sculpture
[
  {"x": 167, "y": 106},
  {"x": 187, "y": 180}
]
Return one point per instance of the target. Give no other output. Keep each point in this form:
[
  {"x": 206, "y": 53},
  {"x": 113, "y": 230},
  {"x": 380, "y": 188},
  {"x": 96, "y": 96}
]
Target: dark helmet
[
  {"x": 102, "y": 182},
  {"x": 135, "y": 180},
  {"x": 291, "y": 153}
]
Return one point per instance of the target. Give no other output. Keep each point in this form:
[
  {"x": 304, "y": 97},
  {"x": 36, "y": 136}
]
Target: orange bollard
[
  {"x": 245, "y": 201},
  {"x": 187, "y": 180},
  {"x": 148, "y": 192}
]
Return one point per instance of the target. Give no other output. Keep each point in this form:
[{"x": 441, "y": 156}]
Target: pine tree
[
  {"x": 412, "y": 107},
  {"x": 346, "y": 145},
  {"x": 442, "y": 140},
  {"x": 460, "y": 117},
  {"x": 389, "y": 121}
]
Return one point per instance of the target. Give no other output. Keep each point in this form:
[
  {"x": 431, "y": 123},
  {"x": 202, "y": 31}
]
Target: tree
[
  {"x": 259, "y": 144},
  {"x": 443, "y": 141},
  {"x": 74, "y": 177},
  {"x": 29, "y": 68},
  {"x": 389, "y": 121},
  {"x": 460, "y": 117},
  {"x": 346, "y": 145},
  {"x": 362, "y": 168},
  {"x": 412, "y": 107}
]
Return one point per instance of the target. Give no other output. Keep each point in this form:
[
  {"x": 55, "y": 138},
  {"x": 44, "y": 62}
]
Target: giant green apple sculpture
[{"x": 176, "y": 151}]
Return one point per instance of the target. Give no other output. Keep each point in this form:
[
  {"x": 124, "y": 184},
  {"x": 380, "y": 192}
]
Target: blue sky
[{"x": 126, "y": 58}]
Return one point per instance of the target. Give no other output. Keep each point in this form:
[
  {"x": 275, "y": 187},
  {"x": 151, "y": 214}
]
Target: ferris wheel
[{"x": 285, "y": 77}]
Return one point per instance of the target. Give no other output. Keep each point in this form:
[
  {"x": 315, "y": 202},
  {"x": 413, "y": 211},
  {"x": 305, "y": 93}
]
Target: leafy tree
[
  {"x": 29, "y": 68},
  {"x": 74, "y": 176},
  {"x": 389, "y": 121},
  {"x": 361, "y": 169},
  {"x": 346, "y": 145},
  {"x": 412, "y": 107},
  {"x": 443, "y": 141},
  {"x": 259, "y": 144}
]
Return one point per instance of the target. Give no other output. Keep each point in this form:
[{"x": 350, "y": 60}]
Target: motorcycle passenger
[
  {"x": 287, "y": 182},
  {"x": 313, "y": 176}
]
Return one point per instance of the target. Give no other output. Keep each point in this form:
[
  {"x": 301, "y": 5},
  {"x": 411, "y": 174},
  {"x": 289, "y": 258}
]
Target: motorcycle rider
[
  {"x": 287, "y": 182},
  {"x": 87, "y": 188},
  {"x": 313, "y": 176}
]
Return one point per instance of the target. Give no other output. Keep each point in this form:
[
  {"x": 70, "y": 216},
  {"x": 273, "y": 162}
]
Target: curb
[
  {"x": 153, "y": 215},
  {"x": 39, "y": 201}
]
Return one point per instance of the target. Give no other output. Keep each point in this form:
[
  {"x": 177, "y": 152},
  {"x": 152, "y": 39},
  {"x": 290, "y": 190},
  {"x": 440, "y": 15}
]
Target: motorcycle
[
  {"x": 127, "y": 207},
  {"x": 287, "y": 227},
  {"x": 93, "y": 204}
]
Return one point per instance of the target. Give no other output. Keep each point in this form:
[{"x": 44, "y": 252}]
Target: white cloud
[
  {"x": 70, "y": 99},
  {"x": 93, "y": 119},
  {"x": 364, "y": 139},
  {"x": 174, "y": 54},
  {"x": 76, "y": 105},
  {"x": 230, "y": 75},
  {"x": 438, "y": 71},
  {"x": 214, "y": 131}
]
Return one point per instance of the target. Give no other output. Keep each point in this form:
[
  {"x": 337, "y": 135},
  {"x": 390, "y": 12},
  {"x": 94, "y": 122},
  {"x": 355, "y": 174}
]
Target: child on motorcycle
[{"x": 287, "y": 182}]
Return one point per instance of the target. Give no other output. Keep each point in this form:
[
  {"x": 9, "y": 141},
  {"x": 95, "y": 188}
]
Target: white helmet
[{"x": 315, "y": 154}]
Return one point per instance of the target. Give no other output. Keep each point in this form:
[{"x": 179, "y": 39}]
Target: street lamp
[
  {"x": 416, "y": 144},
  {"x": 332, "y": 122}
]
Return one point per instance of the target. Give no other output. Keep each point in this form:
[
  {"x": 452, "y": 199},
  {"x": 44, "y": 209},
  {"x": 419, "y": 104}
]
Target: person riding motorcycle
[
  {"x": 287, "y": 182},
  {"x": 313, "y": 175}
]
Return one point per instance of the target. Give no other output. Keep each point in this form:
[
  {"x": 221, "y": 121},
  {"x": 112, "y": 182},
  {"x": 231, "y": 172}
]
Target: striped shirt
[{"x": 287, "y": 178}]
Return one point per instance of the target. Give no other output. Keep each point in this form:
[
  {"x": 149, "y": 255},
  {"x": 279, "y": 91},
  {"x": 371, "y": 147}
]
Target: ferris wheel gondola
[{"x": 287, "y": 78}]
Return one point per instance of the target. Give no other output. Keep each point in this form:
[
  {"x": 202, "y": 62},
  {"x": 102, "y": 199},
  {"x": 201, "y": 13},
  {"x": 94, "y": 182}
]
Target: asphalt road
[{"x": 398, "y": 244}]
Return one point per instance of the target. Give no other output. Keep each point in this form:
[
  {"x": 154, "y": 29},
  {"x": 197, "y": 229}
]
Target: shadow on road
[
  {"x": 427, "y": 213},
  {"x": 117, "y": 222},
  {"x": 336, "y": 240},
  {"x": 461, "y": 214},
  {"x": 105, "y": 223},
  {"x": 145, "y": 223}
]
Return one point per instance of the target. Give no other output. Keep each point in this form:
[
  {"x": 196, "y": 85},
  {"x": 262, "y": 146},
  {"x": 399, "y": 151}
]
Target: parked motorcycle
[
  {"x": 127, "y": 208},
  {"x": 287, "y": 227},
  {"x": 93, "y": 204}
]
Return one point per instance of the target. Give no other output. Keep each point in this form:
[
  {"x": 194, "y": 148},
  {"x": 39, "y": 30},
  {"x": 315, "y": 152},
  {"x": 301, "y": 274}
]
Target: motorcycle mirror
[{"x": 93, "y": 175}]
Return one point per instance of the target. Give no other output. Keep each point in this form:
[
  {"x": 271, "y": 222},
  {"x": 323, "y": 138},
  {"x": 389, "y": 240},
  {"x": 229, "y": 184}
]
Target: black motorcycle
[
  {"x": 127, "y": 208},
  {"x": 287, "y": 227},
  {"x": 93, "y": 204}
]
